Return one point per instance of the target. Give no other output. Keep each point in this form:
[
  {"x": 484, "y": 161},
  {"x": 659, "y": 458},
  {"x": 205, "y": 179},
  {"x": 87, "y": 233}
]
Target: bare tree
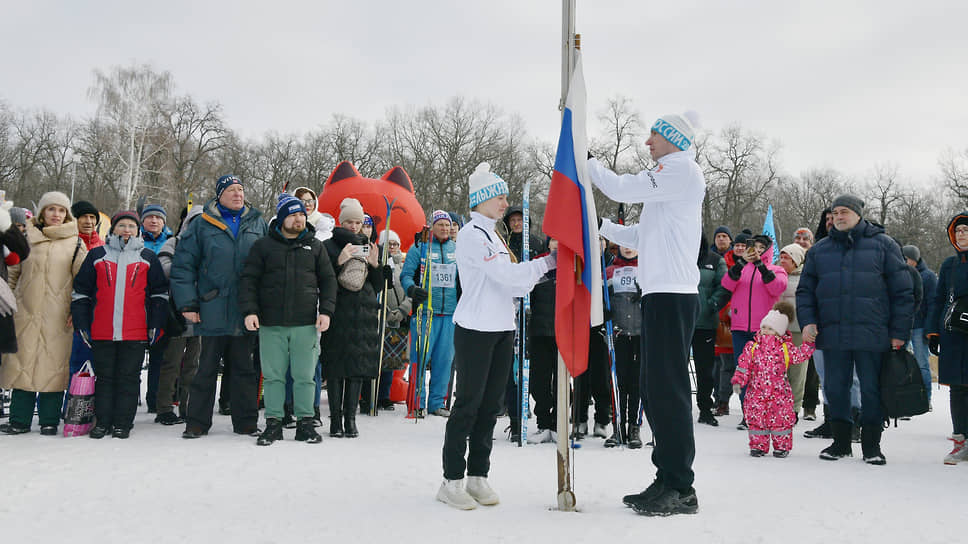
[
  {"x": 954, "y": 172},
  {"x": 740, "y": 168},
  {"x": 194, "y": 133},
  {"x": 883, "y": 191},
  {"x": 131, "y": 99}
]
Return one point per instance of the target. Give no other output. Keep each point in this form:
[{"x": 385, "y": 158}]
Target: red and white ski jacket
[{"x": 120, "y": 292}]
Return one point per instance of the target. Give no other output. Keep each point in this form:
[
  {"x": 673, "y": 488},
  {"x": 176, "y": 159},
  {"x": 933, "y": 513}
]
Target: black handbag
[{"x": 956, "y": 318}]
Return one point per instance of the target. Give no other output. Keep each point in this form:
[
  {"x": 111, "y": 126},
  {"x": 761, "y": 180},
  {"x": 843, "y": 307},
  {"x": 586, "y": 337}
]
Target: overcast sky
[{"x": 840, "y": 84}]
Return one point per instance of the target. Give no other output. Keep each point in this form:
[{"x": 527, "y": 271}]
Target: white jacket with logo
[
  {"x": 489, "y": 280},
  {"x": 670, "y": 226}
]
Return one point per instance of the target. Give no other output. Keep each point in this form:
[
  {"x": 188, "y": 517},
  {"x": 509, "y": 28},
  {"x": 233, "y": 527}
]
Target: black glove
[
  {"x": 417, "y": 294},
  {"x": 388, "y": 275},
  {"x": 765, "y": 272},
  {"x": 934, "y": 344},
  {"x": 736, "y": 271}
]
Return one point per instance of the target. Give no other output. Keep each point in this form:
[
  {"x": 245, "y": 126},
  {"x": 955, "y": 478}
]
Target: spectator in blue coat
[
  {"x": 951, "y": 346},
  {"x": 154, "y": 232},
  {"x": 205, "y": 275},
  {"x": 929, "y": 283},
  {"x": 856, "y": 300},
  {"x": 443, "y": 282}
]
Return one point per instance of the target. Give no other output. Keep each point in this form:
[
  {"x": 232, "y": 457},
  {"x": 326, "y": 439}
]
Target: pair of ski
[
  {"x": 523, "y": 362},
  {"x": 424, "y": 324}
]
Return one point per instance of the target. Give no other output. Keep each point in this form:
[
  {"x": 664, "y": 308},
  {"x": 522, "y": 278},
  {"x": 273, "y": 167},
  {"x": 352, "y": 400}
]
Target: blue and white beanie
[
  {"x": 485, "y": 185},
  {"x": 287, "y": 206},
  {"x": 678, "y": 129}
]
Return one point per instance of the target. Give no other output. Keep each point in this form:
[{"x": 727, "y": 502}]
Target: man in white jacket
[
  {"x": 483, "y": 340},
  {"x": 667, "y": 237}
]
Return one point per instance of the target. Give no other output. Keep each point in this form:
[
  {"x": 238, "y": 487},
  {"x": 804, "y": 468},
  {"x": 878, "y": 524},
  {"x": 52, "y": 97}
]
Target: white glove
[{"x": 737, "y": 389}]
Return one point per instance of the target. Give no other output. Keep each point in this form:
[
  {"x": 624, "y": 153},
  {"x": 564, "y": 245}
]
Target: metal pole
[{"x": 566, "y": 495}]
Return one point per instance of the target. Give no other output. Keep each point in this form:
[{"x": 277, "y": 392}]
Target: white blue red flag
[{"x": 570, "y": 218}]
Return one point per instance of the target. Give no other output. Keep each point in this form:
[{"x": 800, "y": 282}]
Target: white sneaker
[
  {"x": 478, "y": 488},
  {"x": 959, "y": 453},
  {"x": 600, "y": 431},
  {"x": 540, "y": 437},
  {"x": 452, "y": 493}
]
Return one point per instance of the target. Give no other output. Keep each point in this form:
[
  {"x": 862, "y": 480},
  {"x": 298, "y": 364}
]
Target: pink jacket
[
  {"x": 752, "y": 298},
  {"x": 763, "y": 364}
]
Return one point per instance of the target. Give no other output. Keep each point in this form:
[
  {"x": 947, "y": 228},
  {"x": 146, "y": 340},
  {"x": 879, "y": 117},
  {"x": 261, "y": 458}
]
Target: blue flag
[{"x": 771, "y": 232}]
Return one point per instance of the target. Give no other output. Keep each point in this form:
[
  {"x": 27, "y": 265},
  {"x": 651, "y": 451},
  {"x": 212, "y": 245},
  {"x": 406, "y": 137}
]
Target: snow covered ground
[{"x": 157, "y": 487}]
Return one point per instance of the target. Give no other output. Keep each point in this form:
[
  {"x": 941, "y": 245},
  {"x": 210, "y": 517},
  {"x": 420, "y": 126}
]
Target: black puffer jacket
[
  {"x": 351, "y": 346},
  {"x": 287, "y": 282},
  {"x": 515, "y": 241},
  {"x": 542, "y": 321},
  {"x": 856, "y": 288},
  {"x": 16, "y": 242}
]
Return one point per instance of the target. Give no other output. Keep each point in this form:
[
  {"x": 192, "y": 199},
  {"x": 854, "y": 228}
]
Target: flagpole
[{"x": 566, "y": 495}]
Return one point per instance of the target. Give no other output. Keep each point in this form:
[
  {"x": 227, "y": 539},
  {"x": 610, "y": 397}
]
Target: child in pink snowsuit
[{"x": 762, "y": 367}]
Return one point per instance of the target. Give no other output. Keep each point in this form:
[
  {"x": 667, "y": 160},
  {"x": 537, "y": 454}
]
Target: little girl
[{"x": 768, "y": 405}]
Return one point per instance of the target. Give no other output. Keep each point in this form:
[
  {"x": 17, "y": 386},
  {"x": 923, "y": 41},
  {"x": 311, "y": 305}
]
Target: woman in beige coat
[{"x": 38, "y": 372}]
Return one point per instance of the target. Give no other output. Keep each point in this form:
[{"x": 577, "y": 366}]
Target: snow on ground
[{"x": 157, "y": 487}]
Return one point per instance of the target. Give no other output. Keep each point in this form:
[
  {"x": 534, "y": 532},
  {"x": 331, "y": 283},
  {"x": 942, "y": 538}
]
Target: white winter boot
[
  {"x": 452, "y": 492},
  {"x": 600, "y": 431},
  {"x": 540, "y": 437},
  {"x": 478, "y": 488},
  {"x": 959, "y": 453}
]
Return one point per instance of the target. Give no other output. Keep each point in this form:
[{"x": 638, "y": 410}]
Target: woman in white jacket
[{"x": 483, "y": 340}]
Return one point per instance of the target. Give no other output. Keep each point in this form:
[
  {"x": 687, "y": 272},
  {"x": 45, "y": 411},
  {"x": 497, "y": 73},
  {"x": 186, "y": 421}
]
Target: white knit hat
[
  {"x": 776, "y": 321},
  {"x": 350, "y": 209},
  {"x": 679, "y": 129},
  {"x": 394, "y": 237},
  {"x": 485, "y": 185},
  {"x": 54, "y": 198}
]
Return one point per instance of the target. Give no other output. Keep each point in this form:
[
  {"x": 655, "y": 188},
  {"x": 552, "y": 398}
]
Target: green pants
[
  {"x": 296, "y": 349},
  {"x": 48, "y": 407}
]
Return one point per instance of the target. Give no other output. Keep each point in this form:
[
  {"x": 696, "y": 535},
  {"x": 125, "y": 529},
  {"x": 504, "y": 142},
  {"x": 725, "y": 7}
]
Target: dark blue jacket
[
  {"x": 929, "y": 283},
  {"x": 855, "y": 287},
  {"x": 952, "y": 285},
  {"x": 207, "y": 265}
]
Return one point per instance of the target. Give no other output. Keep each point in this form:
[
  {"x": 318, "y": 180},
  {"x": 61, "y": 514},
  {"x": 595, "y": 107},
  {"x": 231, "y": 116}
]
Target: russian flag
[{"x": 570, "y": 218}]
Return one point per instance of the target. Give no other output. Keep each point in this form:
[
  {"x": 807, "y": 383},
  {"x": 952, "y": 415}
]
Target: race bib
[
  {"x": 443, "y": 275},
  {"x": 623, "y": 280}
]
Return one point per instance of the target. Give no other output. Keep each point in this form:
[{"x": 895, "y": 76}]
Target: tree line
[{"x": 145, "y": 139}]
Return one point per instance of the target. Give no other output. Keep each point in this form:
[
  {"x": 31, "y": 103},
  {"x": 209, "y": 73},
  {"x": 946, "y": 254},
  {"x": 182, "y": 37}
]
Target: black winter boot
[
  {"x": 841, "y": 446},
  {"x": 272, "y": 433},
  {"x": 317, "y": 421},
  {"x": 288, "y": 421},
  {"x": 823, "y": 430},
  {"x": 615, "y": 439},
  {"x": 870, "y": 440},
  {"x": 635, "y": 441},
  {"x": 334, "y": 393},
  {"x": 351, "y": 399},
  {"x": 306, "y": 431}
]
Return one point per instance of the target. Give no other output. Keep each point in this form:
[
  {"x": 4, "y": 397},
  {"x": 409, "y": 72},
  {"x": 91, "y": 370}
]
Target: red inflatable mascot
[{"x": 407, "y": 217}]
